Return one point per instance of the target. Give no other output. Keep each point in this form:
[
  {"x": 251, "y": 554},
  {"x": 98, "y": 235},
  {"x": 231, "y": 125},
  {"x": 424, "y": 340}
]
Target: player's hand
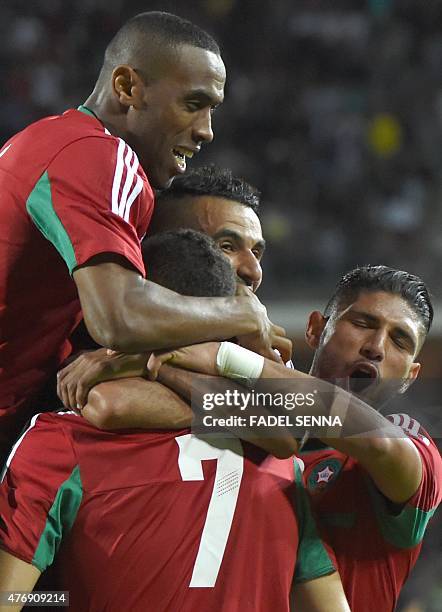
[
  {"x": 76, "y": 379},
  {"x": 269, "y": 336},
  {"x": 198, "y": 357}
]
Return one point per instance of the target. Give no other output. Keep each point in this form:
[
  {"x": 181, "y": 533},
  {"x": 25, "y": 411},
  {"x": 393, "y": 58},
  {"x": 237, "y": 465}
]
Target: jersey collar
[{"x": 88, "y": 111}]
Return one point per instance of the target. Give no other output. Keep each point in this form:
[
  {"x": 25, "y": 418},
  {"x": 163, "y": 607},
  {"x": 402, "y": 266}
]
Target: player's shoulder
[
  {"x": 56, "y": 418},
  {"x": 45, "y": 425},
  {"x": 430, "y": 456},
  {"x": 44, "y": 442},
  {"x": 71, "y": 122},
  {"x": 56, "y": 133},
  {"x": 84, "y": 136},
  {"x": 74, "y": 144},
  {"x": 322, "y": 467},
  {"x": 80, "y": 123},
  {"x": 413, "y": 429}
]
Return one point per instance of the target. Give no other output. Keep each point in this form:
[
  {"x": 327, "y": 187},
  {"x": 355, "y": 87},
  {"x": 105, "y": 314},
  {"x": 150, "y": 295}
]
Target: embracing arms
[
  {"x": 125, "y": 312},
  {"x": 383, "y": 449}
]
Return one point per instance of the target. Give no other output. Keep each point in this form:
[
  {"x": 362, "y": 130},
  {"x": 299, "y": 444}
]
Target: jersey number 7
[{"x": 229, "y": 471}]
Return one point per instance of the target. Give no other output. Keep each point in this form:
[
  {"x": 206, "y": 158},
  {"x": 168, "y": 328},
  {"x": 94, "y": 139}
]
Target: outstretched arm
[
  {"x": 15, "y": 575},
  {"x": 385, "y": 452},
  {"x": 388, "y": 455}
]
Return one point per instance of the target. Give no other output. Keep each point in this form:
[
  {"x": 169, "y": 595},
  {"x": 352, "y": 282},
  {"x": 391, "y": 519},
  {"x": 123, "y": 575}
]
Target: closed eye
[
  {"x": 399, "y": 342},
  {"x": 193, "y": 105},
  {"x": 404, "y": 343},
  {"x": 360, "y": 323}
]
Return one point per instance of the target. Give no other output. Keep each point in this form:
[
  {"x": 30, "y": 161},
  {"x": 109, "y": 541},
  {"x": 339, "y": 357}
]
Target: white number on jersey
[{"x": 229, "y": 471}]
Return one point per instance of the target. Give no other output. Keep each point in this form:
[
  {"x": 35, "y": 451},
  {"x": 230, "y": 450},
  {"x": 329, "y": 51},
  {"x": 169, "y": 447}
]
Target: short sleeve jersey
[
  {"x": 70, "y": 190},
  {"x": 160, "y": 521},
  {"x": 375, "y": 547}
]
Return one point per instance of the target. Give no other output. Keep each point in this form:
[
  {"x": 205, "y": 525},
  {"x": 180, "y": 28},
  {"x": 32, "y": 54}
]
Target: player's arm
[
  {"x": 126, "y": 312},
  {"x": 405, "y": 526},
  {"x": 136, "y": 403},
  {"x": 15, "y": 575},
  {"x": 387, "y": 454},
  {"x": 317, "y": 586},
  {"x": 90, "y": 368},
  {"x": 383, "y": 450},
  {"x": 92, "y": 204},
  {"x": 37, "y": 512},
  {"x": 139, "y": 403},
  {"x": 393, "y": 463},
  {"x": 192, "y": 386},
  {"x": 320, "y": 595}
]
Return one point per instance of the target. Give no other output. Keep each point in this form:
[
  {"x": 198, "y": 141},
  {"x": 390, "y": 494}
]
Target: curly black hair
[{"x": 190, "y": 263}]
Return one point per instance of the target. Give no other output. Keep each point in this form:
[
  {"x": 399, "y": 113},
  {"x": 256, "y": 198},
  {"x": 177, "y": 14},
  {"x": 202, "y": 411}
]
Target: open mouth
[
  {"x": 180, "y": 155},
  {"x": 362, "y": 376}
]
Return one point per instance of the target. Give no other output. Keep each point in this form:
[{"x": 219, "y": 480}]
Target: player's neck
[{"x": 98, "y": 105}]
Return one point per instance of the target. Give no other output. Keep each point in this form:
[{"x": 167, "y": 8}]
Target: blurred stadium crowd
[{"x": 333, "y": 109}]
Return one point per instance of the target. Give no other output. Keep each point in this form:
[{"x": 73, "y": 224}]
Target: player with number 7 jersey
[{"x": 157, "y": 521}]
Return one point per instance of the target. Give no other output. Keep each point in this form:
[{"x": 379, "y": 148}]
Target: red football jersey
[
  {"x": 375, "y": 548},
  {"x": 70, "y": 190},
  {"x": 157, "y": 521}
]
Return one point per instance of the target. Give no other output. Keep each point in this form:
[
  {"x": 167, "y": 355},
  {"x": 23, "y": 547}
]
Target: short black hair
[
  {"x": 382, "y": 278},
  {"x": 213, "y": 181},
  {"x": 154, "y": 30},
  {"x": 189, "y": 263}
]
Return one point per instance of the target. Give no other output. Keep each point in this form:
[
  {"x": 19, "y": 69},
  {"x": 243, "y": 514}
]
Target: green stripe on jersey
[
  {"x": 60, "y": 519},
  {"x": 403, "y": 530},
  {"x": 41, "y": 210},
  {"x": 86, "y": 111},
  {"x": 313, "y": 560}
]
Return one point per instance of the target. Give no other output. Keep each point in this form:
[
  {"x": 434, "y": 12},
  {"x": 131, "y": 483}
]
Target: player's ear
[
  {"x": 412, "y": 375},
  {"x": 315, "y": 327},
  {"x": 128, "y": 86}
]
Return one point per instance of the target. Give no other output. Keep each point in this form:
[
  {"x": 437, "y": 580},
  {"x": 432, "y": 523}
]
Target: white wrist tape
[{"x": 238, "y": 363}]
